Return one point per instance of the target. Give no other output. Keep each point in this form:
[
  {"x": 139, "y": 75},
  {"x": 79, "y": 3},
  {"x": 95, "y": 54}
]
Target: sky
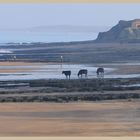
[{"x": 31, "y": 15}]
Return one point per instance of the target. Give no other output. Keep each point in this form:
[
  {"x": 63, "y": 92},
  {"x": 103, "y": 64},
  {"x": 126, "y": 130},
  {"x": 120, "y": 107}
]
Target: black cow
[
  {"x": 81, "y": 72},
  {"x": 100, "y": 72},
  {"x": 67, "y": 73}
]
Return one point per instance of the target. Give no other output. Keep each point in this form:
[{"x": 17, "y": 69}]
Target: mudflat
[
  {"x": 102, "y": 118},
  {"x": 16, "y": 67}
]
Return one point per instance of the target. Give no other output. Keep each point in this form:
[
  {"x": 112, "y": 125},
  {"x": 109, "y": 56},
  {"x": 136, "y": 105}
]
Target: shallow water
[
  {"x": 48, "y": 71},
  {"x": 132, "y": 85},
  {"x": 54, "y": 71}
]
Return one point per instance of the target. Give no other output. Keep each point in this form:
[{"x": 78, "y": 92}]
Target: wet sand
[
  {"x": 105, "y": 118},
  {"x": 125, "y": 69},
  {"x": 12, "y": 67}
]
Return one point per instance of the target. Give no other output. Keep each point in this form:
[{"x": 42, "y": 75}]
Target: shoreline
[{"x": 75, "y": 52}]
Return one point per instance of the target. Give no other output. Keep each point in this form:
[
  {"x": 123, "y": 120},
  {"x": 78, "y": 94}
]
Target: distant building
[{"x": 136, "y": 23}]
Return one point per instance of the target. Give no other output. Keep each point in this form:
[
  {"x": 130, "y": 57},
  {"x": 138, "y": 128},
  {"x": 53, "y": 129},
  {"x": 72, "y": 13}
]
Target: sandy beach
[{"x": 106, "y": 118}]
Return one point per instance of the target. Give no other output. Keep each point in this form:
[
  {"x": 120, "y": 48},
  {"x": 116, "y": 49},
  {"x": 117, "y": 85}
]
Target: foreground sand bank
[{"x": 107, "y": 118}]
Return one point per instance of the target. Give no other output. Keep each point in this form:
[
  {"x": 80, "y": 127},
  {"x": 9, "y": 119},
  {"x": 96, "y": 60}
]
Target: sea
[{"x": 45, "y": 37}]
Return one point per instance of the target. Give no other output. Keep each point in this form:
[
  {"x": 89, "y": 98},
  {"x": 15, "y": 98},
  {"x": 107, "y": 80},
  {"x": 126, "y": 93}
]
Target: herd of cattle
[{"x": 99, "y": 72}]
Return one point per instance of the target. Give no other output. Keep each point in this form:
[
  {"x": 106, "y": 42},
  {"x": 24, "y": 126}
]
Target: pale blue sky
[{"x": 30, "y": 15}]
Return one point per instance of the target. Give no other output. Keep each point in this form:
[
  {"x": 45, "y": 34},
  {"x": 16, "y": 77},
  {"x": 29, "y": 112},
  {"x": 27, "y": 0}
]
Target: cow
[
  {"x": 100, "y": 72},
  {"x": 67, "y": 74},
  {"x": 81, "y": 72}
]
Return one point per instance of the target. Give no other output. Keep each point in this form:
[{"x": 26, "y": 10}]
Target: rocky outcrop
[{"x": 123, "y": 32}]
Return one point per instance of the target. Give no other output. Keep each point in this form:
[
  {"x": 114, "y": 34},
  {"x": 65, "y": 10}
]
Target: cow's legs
[
  {"x": 102, "y": 75},
  {"x": 98, "y": 75}
]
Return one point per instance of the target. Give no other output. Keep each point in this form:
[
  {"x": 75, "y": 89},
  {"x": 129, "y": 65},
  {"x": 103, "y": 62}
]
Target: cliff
[{"x": 123, "y": 32}]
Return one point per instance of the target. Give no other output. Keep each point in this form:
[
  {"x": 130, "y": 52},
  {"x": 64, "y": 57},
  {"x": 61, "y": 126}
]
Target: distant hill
[
  {"x": 60, "y": 28},
  {"x": 123, "y": 32},
  {"x": 69, "y": 28}
]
